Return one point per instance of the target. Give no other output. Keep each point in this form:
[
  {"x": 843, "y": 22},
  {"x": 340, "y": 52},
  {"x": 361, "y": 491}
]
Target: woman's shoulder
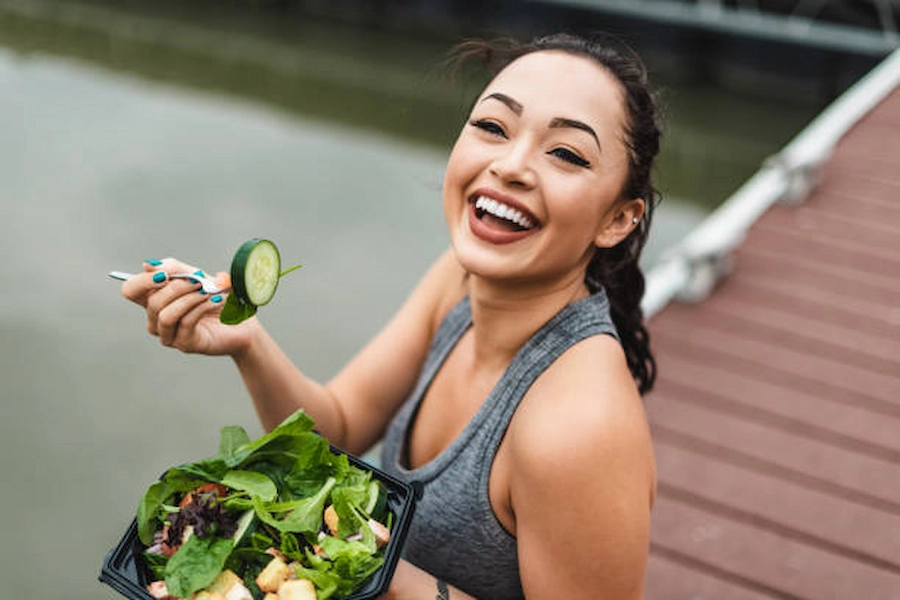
[{"x": 586, "y": 404}]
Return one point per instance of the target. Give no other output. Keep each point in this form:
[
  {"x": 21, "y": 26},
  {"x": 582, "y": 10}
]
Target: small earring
[{"x": 635, "y": 220}]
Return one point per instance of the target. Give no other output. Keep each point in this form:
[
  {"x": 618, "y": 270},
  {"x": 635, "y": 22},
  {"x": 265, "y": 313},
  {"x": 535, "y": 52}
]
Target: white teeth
[{"x": 502, "y": 211}]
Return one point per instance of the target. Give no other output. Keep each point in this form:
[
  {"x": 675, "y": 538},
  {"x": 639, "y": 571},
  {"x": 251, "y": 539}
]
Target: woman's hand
[{"x": 183, "y": 317}]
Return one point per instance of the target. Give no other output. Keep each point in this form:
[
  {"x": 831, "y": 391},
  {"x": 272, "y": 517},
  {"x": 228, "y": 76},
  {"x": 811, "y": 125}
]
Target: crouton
[
  {"x": 238, "y": 592},
  {"x": 331, "y": 519},
  {"x": 271, "y": 596},
  {"x": 229, "y": 585},
  {"x": 297, "y": 589},
  {"x": 224, "y": 581},
  {"x": 273, "y": 575}
]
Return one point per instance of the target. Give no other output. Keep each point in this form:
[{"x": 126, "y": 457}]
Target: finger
[
  {"x": 188, "y": 335},
  {"x": 152, "y": 264},
  {"x": 168, "y": 264},
  {"x": 170, "y": 319},
  {"x": 156, "y": 273},
  {"x": 212, "y": 306},
  {"x": 139, "y": 288},
  {"x": 161, "y": 297}
]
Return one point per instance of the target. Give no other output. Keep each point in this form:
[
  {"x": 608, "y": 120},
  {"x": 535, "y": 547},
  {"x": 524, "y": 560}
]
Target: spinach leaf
[
  {"x": 236, "y": 311},
  {"x": 196, "y": 564},
  {"x": 294, "y": 426},
  {"x": 148, "y": 510},
  {"x": 209, "y": 470},
  {"x": 255, "y": 484},
  {"x": 304, "y": 516},
  {"x": 231, "y": 437}
]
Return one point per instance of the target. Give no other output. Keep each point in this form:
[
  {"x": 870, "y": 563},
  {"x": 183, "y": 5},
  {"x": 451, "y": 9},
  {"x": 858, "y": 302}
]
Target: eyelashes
[
  {"x": 570, "y": 157},
  {"x": 494, "y": 129},
  {"x": 489, "y": 126}
]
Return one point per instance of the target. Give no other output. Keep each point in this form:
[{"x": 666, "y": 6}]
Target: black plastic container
[{"x": 124, "y": 569}]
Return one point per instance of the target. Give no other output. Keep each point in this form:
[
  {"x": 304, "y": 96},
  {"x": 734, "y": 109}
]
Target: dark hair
[{"x": 615, "y": 269}]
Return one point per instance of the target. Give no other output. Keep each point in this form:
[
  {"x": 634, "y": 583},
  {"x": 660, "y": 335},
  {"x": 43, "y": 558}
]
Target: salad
[{"x": 278, "y": 518}]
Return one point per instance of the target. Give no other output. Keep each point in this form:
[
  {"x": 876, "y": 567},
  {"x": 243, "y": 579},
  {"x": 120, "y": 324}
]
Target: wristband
[{"x": 443, "y": 592}]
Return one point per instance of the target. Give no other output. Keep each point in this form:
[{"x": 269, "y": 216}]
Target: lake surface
[{"x": 108, "y": 159}]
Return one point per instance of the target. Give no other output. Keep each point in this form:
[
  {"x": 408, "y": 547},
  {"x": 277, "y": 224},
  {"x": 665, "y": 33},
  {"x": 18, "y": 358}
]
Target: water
[{"x": 104, "y": 164}]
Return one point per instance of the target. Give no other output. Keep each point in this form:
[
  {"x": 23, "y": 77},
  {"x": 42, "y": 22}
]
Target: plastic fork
[{"x": 209, "y": 285}]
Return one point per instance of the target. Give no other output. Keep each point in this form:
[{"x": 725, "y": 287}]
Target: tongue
[{"x": 499, "y": 223}]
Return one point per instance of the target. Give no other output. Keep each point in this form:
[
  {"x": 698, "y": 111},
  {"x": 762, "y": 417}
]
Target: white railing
[{"x": 689, "y": 270}]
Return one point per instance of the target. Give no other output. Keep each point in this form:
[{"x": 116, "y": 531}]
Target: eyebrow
[
  {"x": 563, "y": 122},
  {"x": 514, "y": 106},
  {"x": 517, "y": 108}
]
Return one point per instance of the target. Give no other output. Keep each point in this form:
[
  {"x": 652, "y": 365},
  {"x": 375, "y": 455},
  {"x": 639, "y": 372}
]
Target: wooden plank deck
[{"x": 776, "y": 416}]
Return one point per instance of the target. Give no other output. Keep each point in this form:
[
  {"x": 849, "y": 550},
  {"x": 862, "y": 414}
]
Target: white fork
[{"x": 209, "y": 285}]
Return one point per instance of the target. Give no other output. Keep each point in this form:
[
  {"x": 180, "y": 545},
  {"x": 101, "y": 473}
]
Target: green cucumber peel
[{"x": 238, "y": 305}]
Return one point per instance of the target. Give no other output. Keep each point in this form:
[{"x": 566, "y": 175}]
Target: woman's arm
[
  {"x": 412, "y": 583},
  {"x": 353, "y": 409},
  {"x": 582, "y": 479}
]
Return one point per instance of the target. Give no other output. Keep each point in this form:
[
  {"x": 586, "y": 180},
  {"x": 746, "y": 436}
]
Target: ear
[{"x": 621, "y": 221}]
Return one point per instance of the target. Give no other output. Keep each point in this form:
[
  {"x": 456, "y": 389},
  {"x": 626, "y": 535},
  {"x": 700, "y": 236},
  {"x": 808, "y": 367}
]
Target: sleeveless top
[{"x": 454, "y": 534}]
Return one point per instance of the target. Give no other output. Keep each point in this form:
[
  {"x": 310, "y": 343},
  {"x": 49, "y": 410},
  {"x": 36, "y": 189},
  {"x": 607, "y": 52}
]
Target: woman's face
[{"x": 533, "y": 183}]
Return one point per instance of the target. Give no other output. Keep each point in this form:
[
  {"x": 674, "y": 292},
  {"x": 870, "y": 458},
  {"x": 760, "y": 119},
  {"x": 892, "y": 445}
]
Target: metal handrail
[
  {"x": 689, "y": 270},
  {"x": 715, "y": 16}
]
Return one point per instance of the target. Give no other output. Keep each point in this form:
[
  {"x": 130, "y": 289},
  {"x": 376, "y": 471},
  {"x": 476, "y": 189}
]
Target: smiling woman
[{"x": 512, "y": 374}]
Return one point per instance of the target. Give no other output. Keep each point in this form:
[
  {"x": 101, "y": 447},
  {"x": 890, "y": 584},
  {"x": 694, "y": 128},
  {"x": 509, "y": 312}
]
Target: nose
[{"x": 512, "y": 164}]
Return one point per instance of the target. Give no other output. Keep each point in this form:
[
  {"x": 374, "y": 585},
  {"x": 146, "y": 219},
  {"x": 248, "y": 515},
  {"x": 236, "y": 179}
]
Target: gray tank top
[{"x": 455, "y": 534}]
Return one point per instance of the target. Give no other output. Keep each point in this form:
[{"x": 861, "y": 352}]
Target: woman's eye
[
  {"x": 489, "y": 127},
  {"x": 570, "y": 157}
]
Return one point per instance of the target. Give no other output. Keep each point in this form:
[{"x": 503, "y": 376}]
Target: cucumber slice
[{"x": 255, "y": 271}]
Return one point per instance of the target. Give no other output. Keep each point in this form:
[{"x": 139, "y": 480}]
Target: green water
[{"x": 128, "y": 137}]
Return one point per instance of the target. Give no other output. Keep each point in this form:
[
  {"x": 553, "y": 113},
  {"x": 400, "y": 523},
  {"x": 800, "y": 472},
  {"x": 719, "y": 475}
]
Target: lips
[{"x": 499, "y": 219}]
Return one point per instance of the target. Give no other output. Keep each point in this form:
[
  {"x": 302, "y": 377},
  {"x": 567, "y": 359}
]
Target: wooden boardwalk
[{"x": 776, "y": 417}]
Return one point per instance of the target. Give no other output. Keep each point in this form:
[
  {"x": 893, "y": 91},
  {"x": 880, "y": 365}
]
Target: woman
[{"x": 509, "y": 382}]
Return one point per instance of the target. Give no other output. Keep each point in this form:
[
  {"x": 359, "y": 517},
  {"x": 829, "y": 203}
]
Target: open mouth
[{"x": 497, "y": 214}]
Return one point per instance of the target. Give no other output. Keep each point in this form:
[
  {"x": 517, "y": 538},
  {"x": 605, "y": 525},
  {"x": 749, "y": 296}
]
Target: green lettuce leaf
[
  {"x": 353, "y": 562},
  {"x": 196, "y": 564}
]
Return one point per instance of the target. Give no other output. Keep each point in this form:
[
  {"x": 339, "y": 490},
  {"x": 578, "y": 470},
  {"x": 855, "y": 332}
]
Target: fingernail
[
  {"x": 201, "y": 291},
  {"x": 159, "y": 277},
  {"x": 216, "y": 299},
  {"x": 200, "y": 273},
  {"x": 153, "y": 262}
]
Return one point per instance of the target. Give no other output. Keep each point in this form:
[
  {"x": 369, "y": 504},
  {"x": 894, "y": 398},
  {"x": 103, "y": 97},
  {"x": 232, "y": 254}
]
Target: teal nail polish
[
  {"x": 153, "y": 262},
  {"x": 159, "y": 277},
  {"x": 200, "y": 273},
  {"x": 201, "y": 291},
  {"x": 216, "y": 299}
]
